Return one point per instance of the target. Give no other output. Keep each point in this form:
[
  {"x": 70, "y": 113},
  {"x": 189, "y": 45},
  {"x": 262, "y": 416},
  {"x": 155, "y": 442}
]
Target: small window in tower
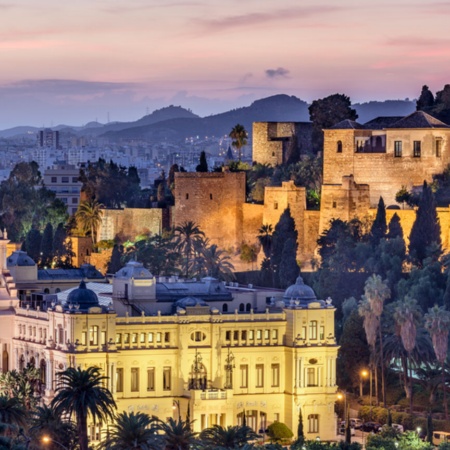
[
  {"x": 275, "y": 205},
  {"x": 210, "y": 196},
  {"x": 438, "y": 148},
  {"x": 417, "y": 149},
  {"x": 339, "y": 147},
  {"x": 187, "y": 196},
  {"x": 334, "y": 205},
  {"x": 273, "y": 153}
]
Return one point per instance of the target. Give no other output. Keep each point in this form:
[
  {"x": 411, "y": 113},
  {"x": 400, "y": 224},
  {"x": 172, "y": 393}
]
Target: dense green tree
[
  {"x": 132, "y": 431},
  {"x": 226, "y": 438},
  {"x": 61, "y": 248},
  {"x": 115, "y": 263},
  {"x": 426, "y": 229},
  {"x": 394, "y": 228},
  {"x": 265, "y": 238},
  {"x": 279, "y": 431},
  {"x": 354, "y": 352},
  {"x": 82, "y": 393},
  {"x": 203, "y": 164},
  {"x": 213, "y": 262},
  {"x": 33, "y": 244},
  {"x": 161, "y": 194},
  {"x": 239, "y": 137},
  {"x": 21, "y": 190},
  {"x": 379, "y": 226},
  {"x": 284, "y": 231},
  {"x": 89, "y": 216},
  {"x": 12, "y": 411},
  {"x": 288, "y": 269},
  {"x": 426, "y": 100},
  {"x": 46, "y": 246},
  {"x": 326, "y": 112}
]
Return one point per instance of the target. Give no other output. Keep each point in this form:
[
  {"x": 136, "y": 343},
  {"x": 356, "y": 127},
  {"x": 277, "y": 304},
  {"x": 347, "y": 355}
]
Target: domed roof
[
  {"x": 83, "y": 297},
  {"x": 19, "y": 258},
  {"x": 190, "y": 301},
  {"x": 300, "y": 291},
  {"x": 135, "y": 270}
]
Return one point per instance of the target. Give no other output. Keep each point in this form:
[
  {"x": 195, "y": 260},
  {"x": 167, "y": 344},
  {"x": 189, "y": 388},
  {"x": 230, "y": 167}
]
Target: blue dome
[
  {"x": 83, "y": 297},
  {"x": 300, "y": 291}
]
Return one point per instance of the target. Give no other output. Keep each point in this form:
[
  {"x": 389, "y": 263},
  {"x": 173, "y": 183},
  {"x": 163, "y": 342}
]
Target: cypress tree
[
  {"x": 300, "y": 432},
  {"x": 47, "y": 246},
  {"x": 59, "y": 248},
  {"x": 395, "y": 228},
  {"x": 115, "y": 263},
  {"x": 426, "y": 99},
  {"x": 446, "y": 299},
  {"x": 33, "y": 244},
  {"x": 203, "y": 165},
  {"x": 379, "y": 227},
  {"x": 284, "y": 231},
  {"x": 289, "y": 269},
  {"x": 426, "y": 228}
]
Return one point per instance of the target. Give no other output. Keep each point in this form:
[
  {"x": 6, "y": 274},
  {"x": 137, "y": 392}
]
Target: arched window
[
  {"x": 248, "y": 307},
  {"x": 46, "y": 291},
  {"x": 339, "y": 147},
  {"x": 57, "y": 290},
  {"x": 32, "y": 362},
  {"x": 21, "y": 362},
  {"x": 224, "y": 307},
  {"x": 241, "y": 307},
  {"x": 43, "y": 372}
]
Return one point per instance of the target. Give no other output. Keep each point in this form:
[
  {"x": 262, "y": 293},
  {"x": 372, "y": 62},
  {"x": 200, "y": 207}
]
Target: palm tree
[
  {"x": 89, "y": 216},
  {"x": 239, "y": 136},
  {"x": 230, "y": 437},
  {"x": 45, "y": 421},
  {"x": 437, "y": 322},
  {"x": 377, "y": 291},
  {"x": 81, "y": 393},
  {"x": 265, "y": 238},
  {"x": 215, "y": 262},
  {"x": 407, "y": 316},
  {"x": 133, "y": 431},
  {"x": 177, "y": 434},
  {"x": 187, "y": 235},
  {"x": 12, "y": 411}
]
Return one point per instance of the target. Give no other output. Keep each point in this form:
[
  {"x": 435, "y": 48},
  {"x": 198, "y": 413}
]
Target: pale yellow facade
[{"x": 281, "y": 359}]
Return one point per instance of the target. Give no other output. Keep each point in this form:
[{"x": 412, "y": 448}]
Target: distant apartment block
[
  {"x": 63, "y": 180},
  {"x": 48, "y": 138}
]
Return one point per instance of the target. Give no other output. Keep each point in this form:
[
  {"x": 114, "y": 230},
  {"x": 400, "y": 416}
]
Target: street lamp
[
  {"x": 176, "y": 406},
  {"x": 48, "y": 439},
  {"x": 362, "y": 375},
  {"x": 340, "y": 396}
]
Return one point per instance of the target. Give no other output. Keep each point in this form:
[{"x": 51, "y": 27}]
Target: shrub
[{"x": 279, "y": 431}]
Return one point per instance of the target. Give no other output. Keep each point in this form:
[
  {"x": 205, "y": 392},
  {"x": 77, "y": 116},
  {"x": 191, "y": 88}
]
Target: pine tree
[
  {"x": 395, "y": 228},
  {"x": 203, "y": 165},
  {"x": 47, "y": 246},
  {"x": 426, "y": 229},
  {"x": 379, "y": 227},
  {"x": 284, "y": 231},
  {"x": 426, "y": 99}
]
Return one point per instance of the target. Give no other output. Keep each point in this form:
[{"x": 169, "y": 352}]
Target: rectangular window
[
  {"x": 118, "y": 338},
  {"x": 244, "y": 375},
  {"x": 311, "y": 376},
  {"x": 259, "y": 334},
  {"x": 228, "y": 335},
  {"x": 274, "y": 334},
  {"x": 166, "y": 338},
  {"x": 142, "y": 339},
  {"x": 167, "y": 378},
  {"x": 74, "y": 179},
  {"x": 236, "y": 335},
  {"x": 134, "y": 338},
  {"x": 313, "y": 423},
  {"x": 119, "y": 380},
  {"x": 259, "y": 375},
  {"x": 83, "y": 338},
  {"x": 150, "y": 338},
  {"x": 158, "y": 338},
  {"x": 398, "y": 149},
  {"x": 64, "y": 179},
  {"x": 74, "y": 200},
  {"x": 275, "y": 205},
  {"x": 126, "y": 338},
  {"x": 275, "y": 375},
  {"x": 103, "y": 338},
  {"x": 93, "y": 335},
  {"x": 134, "y": 379},
  {"x": 322, "y": 333},
  {"x": 266, "y": 334},
  {"x": 151, "y": 379},
  {"x": 416, "y": 149},
  {"x": 244, "y": 335},
  {"x": 438, "y": 148},
  {"x": 54, "y": 179},
  {"x": 313, "y": 329},
  {"x": 251, "y": 334}
]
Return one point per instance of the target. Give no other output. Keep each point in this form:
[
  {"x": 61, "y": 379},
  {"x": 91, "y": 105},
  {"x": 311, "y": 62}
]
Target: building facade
[{"x": 265, "y": 357}]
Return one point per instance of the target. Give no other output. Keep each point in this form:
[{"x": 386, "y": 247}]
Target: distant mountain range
[{"x": 178, "y": 123}]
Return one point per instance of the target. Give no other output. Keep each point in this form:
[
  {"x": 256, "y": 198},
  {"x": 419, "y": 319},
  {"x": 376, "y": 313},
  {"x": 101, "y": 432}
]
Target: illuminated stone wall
[
  {"x": 385, "y": 173},
  {"x": 215, "y": 202}
]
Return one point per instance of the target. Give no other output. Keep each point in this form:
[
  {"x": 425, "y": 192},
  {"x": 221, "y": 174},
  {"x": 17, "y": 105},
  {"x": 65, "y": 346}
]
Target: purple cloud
[{"x": 280, "y": 72}]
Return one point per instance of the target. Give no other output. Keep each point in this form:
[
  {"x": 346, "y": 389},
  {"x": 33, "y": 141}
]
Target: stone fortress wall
[{"x": 354, "y": 179}]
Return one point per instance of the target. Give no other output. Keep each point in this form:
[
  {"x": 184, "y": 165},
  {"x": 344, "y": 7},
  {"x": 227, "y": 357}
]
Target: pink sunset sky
[{"x": 78, "y": 61}]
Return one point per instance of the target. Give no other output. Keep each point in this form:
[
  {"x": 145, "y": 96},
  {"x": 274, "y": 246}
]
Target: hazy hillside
[{"x": 370, "y": 110}]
